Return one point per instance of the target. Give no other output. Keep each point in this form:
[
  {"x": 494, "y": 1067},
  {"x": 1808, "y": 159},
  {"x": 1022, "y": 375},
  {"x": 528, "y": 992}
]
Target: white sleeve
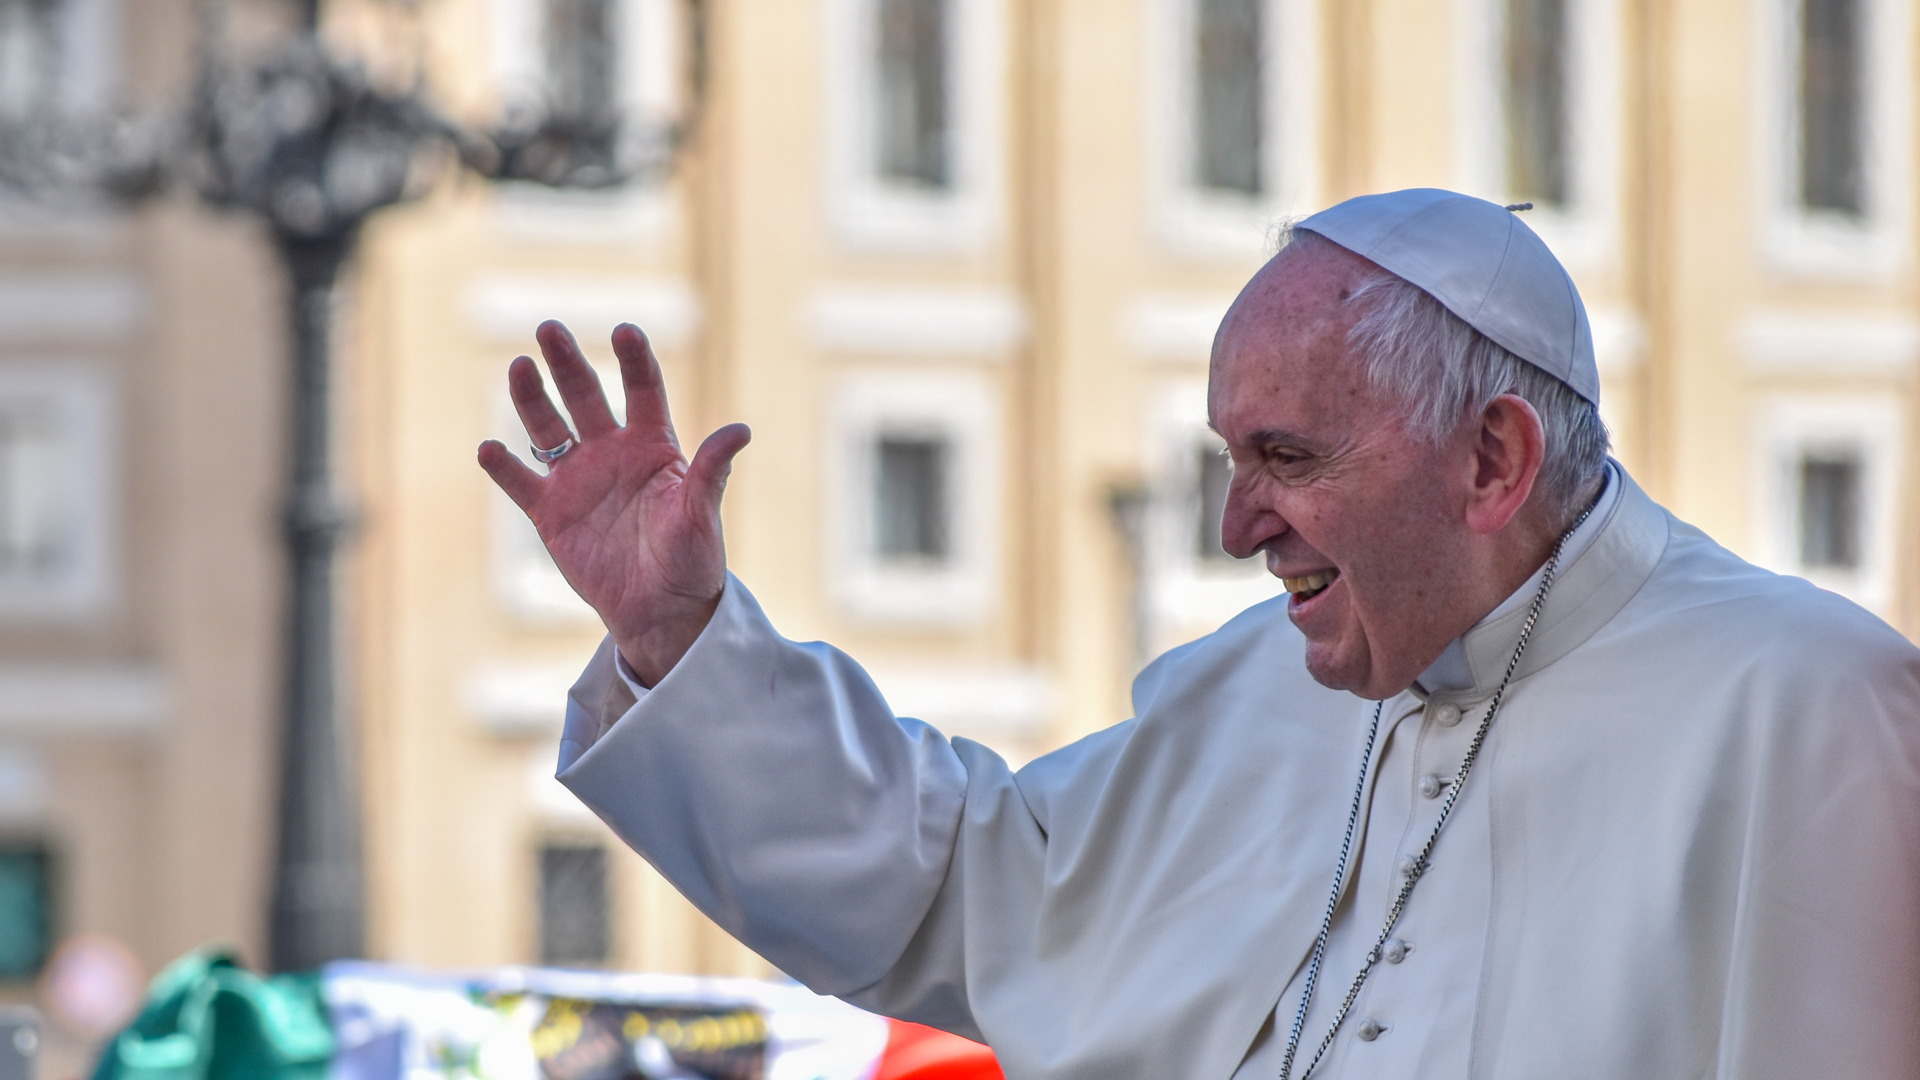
[
  {"x": 772, "y": 784},
  {"x": 627, "y": 676}
]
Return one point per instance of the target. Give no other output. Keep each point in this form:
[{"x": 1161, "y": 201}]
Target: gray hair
[{"x": 1444, "y": 372}]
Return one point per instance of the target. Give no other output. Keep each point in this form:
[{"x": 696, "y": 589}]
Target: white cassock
[{"x": 1690, "y": 848}]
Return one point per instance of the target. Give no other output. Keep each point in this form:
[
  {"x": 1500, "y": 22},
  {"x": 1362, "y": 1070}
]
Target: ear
[{"x": 1508, "y": 451}]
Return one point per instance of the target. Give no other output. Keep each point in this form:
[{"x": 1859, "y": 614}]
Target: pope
[{"x": 1524, "y": 778}]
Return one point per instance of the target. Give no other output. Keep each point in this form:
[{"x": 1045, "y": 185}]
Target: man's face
[{"x": 1329, "y": 485}]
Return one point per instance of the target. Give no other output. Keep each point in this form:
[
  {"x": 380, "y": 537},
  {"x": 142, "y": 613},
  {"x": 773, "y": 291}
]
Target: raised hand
[{"x": 631, "y": 523}]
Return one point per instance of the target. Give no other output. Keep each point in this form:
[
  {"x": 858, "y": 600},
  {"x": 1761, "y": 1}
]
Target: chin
[{"x": 1333, "y": 671}]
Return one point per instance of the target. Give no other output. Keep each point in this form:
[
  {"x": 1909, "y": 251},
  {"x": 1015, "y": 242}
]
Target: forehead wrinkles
[{"x": 1287, "y": 334}]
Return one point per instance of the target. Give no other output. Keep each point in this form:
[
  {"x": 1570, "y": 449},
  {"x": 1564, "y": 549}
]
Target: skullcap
[{"x": 1483, "y": 264}]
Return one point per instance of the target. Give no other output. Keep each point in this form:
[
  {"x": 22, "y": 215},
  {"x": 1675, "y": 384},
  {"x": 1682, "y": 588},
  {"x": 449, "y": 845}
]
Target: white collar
[{"x": 1450, "y": 672}]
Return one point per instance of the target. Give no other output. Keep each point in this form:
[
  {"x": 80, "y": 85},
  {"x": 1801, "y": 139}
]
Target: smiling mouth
[{"x": 1310, "y": 586}]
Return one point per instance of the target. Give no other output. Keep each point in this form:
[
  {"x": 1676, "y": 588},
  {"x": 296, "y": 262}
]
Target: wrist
[{"x": 651, "y": 651}]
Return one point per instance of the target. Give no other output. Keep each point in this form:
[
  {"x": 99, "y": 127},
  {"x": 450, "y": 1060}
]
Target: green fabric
[{"x": 206, "y": 1018}]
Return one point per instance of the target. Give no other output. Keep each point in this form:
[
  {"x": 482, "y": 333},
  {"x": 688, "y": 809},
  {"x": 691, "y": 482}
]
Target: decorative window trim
[
  {"x": 649, "y": 34},
  {"x": 84, "y": 396},
  {"x": 867, "y": 212},
  {"x": 1176, "y": 329},
  {"x": 975, "y": 323},
  {"x": 962, "y": 409},
  {"x": 1802, "y": 244},
  {"x": 1194, "y": 221},
  {"x": 506, "y": 307},
  {"x": 1585, "y": 233},
  {"x": 1187, "y": 592},
  {"x": 1829, "y": 343},
  {"x": 91, "y": 54},
  {"x": 1785, "y": 428}
]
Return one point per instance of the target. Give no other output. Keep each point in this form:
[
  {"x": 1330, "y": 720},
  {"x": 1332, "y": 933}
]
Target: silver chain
[{"x": 1418, "y": 868}]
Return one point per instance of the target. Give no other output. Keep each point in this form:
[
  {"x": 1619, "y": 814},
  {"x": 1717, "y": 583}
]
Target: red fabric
[{"x": 923, "y": 1053}]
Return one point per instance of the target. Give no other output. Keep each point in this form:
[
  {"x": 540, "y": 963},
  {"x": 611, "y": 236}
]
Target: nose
[{"x": 1247, "y": 522}]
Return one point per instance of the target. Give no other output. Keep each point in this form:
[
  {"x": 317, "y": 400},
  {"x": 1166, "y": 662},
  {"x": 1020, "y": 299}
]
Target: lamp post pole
[{"x": 318, "y": 882}]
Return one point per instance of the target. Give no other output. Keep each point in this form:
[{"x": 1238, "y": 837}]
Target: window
[
  {"x": 1232, "y": 108},
  {"x": 582, "y": 61},
  {"x": 611, "y": 72},
  {"x": 1830, "y": 523},
  {"x": 1833, "y": 140},
  {"x": 912, "y": 488},
  {"x": 1831, "y": 169},
  {"x": 1540, "y": 115},
  {"x": 1536, "y": 101},
  {"x": 912, "y": 99},
  {"x": 1829, "y": 492},
  {"x": 36, "y": 522},
  {"x": 575, "y": 918},
  {"x": 26, "y": 909},
  {"x": 1228, "y": 92},
  {"x": 913, "y": 122},
  {"x": 910, "y": 501},
  {"x": 30, "y": 54},
  {"x": 56, "y": 498}
]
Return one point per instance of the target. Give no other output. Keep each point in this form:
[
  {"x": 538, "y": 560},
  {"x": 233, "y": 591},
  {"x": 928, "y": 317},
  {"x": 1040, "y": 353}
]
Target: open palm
[{"x": 632, "y": 524}]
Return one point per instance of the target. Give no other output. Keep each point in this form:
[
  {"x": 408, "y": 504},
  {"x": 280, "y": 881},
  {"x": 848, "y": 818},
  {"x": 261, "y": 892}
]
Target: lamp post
[{"x": 311, "y": 145}]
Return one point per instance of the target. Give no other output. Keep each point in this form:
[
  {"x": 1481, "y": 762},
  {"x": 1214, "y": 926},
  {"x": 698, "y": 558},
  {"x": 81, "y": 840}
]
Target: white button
[
  {"x": 1408, "y": 867},
  {"x": 1394, "y": 950},
  {"x": 1444, "y": 715},
  {"x": 1431, "y": 786},
  {"x": 1369, "y": 1029}
]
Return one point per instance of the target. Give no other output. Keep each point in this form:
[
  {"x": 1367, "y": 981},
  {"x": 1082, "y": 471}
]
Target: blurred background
[{"x": 279, "y": 668}]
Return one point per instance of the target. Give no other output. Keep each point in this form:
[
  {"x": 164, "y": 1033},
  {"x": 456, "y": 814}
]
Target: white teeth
[{"x": 1311, "y": 584}]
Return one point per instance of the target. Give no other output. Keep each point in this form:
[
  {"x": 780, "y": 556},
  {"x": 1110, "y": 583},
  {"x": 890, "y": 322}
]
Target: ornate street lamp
[{"x": 310, "y": 144}]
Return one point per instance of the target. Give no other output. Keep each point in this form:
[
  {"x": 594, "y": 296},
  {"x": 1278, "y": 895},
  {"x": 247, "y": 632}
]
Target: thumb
[{"x": 713, "y": 462}]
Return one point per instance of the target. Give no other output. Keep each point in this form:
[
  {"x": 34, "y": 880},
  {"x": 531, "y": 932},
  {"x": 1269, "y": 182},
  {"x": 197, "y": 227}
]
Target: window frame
[
  {"x": 87, "y": 397},
  {"x": 1870, "y": 427},
  {"x": 1203, "y": 222},
  {"x": 962, "y": 589},
  {"x": 650, "y": 34},
  {"x": 1584, "y": 233},
  {"x": 865, "y": 210},
  {"x": 1797, "y": 242}
]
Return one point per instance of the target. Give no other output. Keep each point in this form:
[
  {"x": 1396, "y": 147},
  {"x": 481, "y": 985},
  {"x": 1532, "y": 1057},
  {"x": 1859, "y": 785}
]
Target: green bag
[{"x": 206, "y": 1018}]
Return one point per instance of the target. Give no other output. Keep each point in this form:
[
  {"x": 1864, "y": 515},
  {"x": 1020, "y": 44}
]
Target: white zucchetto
[{"x": 1482, "y": 263}]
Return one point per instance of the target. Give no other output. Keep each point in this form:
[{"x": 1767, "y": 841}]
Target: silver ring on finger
[{"x": 548, "y": 457}]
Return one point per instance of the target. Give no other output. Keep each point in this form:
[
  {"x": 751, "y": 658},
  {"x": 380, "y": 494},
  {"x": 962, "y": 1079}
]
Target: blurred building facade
[
  {"x": 959, "y": 264},
  {"x": 141, "y": 419}
]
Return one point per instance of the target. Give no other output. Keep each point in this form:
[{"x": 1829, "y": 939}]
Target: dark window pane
[
  {"x": 1536, "y": 100},
  {"x": 1830, "y": 135},
  {"x": 1214, "y": 470},
  {"x": 1227, "y": 98},
  {"x": 912, "y": 105},
  {"x": 26, "y": 910},
  {"x": 575, "y": 922},
  {"x": 29, "y": 56},
  {"x": 582, "y": 59},
  {"x": 1830, "y": 509},
  {"x": 910, "y": 500}
]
